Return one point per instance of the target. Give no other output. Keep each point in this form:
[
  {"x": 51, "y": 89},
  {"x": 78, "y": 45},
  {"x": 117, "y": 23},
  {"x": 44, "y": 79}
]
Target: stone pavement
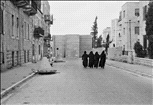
[{"x": 135, "y": 68}]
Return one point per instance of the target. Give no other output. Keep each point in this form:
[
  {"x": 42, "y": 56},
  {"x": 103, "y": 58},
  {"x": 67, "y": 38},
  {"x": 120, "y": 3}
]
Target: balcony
[
  {"x": 48, "y": 37},
  {"x": 38, "y": 32},
  {"x": 31, "y": 9},
  {"x": 48, "y": 18},
  {"x": 29, "y": 6}
]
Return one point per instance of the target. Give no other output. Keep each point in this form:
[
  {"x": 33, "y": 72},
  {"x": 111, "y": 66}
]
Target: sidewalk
[
  {"x": 138, "y": 69},
  {"x": 16, "y": 74}
]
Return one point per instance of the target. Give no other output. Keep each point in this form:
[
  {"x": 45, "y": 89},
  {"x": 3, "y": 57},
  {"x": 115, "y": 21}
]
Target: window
[
  {"x": 124, "y": 31},
  {"x": 1, "y": 21},
  {"x": 17, "y": 26},
  {"x": 120, "y": 17},
  {"x": 12, "y": 25},
  {"x": 124, "y": 14},
  {"x": 137, "y": 12},
  {"x": 119, "y": 35},
  {"x": 137, "y": 30},
  {"x": 28, "y": 31},
  {"x": 24, "y": 30},
  {"x": 39, "y": 49},
  {"x": 144, "y": 12}
]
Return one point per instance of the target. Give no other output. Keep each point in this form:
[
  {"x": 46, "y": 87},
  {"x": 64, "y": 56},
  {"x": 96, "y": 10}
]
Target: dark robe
[
  {"x": 91, "y": 60},
  {"x": 102, "y": 60},
  {"x": 96, "y": 60},
  {"x": 85, "y": 60}
]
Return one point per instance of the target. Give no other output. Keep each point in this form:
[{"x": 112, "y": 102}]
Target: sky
[{"x": 77, "y": 17}]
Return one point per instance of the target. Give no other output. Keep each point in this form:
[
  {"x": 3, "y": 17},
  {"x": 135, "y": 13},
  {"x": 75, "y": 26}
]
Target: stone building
[
  {"x": 22, "y": 32},
  {"x": 106, "y": 31},
  {"x": 129, "y": 24},
  {"x": 48, "y": 18},
  {"x": 71, "y": 46},
  {"x": 115, "y": 34}
]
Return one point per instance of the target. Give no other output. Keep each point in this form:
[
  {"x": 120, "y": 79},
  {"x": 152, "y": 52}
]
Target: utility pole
[{"x": 131, "y": 52}]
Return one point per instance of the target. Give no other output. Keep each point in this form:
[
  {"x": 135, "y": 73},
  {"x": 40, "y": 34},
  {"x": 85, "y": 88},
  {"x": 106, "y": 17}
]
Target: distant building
[
  {"x": 129, "y": 24},
  {"x": 106, "y": 31},
  {"x": 71, "y": 46},
  {"x": 115, "y": 34}
]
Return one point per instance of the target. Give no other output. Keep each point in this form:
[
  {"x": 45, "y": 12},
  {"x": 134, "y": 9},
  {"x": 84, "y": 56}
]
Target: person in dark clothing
[
  {"x": 102, "y": 59},
  {"x": 91, "y": 59},
  {"x": 96, "y": 60},
  {"x": 85, "y": 59}
]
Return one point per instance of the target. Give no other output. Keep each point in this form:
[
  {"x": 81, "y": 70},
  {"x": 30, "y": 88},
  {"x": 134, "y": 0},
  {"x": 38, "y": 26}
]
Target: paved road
[{"x": 77, "y": 85}]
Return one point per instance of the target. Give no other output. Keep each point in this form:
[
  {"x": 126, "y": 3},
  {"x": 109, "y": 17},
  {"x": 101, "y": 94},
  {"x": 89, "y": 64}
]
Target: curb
[
  {"x": 136, "y": 72},
  {"x": 5, "y": 92}
]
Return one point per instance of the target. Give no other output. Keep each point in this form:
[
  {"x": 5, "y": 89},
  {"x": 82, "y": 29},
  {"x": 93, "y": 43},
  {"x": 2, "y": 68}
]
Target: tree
[
  {"x": 107, "y": 43},
  {"x": 94, "y": 32},
  {"x": 99, "y": 41},
  {"x": 149, "y": 29},
  {"x": 139, "y": 50}
]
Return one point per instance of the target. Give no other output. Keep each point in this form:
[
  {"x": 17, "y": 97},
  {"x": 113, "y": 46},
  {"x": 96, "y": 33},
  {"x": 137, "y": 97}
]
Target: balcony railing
[
  {"x": 29, "y": 6},
  {"x": 47, "y": 18},
  {"x": 31, "y": 9},
  {"x": 48, "y": 37}
]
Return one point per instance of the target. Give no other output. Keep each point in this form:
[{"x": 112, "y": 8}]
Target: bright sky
[{"x": 77, "y": 17}]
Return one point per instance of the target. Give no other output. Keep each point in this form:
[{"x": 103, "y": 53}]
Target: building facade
[
  {"x": 22, "y": 32},
  {"x": 129, "y": 24},
  {"x": 106, "y": 31},
  {"x": 48, "y": 18},
  {"x": 71, "y": 46},
  {"x": 115, "y": 34}
]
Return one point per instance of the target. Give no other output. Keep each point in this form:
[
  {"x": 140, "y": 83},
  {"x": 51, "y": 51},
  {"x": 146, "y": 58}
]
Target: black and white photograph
[{"x": 76, "y": 52}]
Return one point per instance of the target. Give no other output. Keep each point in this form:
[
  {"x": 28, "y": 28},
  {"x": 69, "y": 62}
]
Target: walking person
[
  {"x": 91, "y": 59},
  {"x": 85, "y": 59},
  {"x": 96, "y": 60},
  {"x": 102, "y": 59}
]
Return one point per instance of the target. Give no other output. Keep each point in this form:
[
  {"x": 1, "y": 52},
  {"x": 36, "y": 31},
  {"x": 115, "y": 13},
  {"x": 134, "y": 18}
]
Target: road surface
[{"x": 77, "y": 85}]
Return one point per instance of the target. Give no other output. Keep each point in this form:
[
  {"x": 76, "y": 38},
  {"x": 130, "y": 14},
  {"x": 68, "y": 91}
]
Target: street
[{"x": 74, "y": 84}]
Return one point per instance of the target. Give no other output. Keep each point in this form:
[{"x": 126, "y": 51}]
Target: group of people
[{"x": 94, "y": 60}]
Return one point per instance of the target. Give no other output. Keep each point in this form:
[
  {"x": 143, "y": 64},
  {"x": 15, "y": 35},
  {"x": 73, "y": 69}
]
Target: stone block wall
[
  {"x": 71, "y": 46},
  {"x": 85, "y": 44},
  {"x": 143, "y": 61},
  {"x": 59, "y": 42}
]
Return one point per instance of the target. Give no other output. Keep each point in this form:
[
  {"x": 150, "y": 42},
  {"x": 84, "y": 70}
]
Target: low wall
[
  {"x": 143, "y": 61},
  {"x": 115, "y": 53}
]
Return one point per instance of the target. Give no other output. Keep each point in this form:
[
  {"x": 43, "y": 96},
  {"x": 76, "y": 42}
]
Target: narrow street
[{"x": 74, "y": 84}]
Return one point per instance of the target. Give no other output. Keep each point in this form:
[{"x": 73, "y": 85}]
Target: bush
[{"x": 139, "y": 50}]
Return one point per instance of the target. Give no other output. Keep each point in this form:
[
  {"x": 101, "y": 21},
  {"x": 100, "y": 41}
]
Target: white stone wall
[
  {"x": 143, "y": 61},
  {"x": 71, "y": 46},
  {"x": 85, "y": 44}
]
